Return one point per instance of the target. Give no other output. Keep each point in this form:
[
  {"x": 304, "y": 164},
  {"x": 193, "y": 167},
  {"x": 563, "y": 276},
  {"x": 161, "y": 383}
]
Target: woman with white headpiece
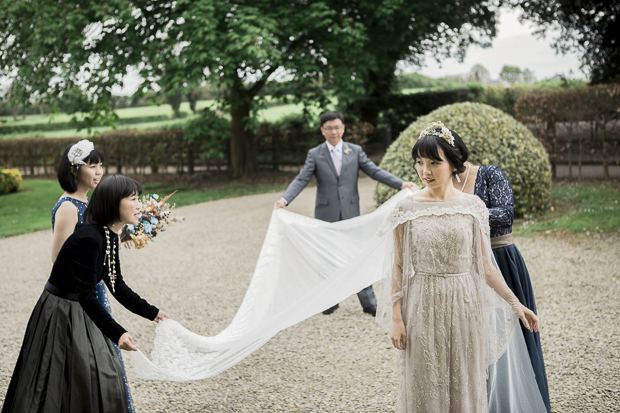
[{"x": 80, "y": 170}]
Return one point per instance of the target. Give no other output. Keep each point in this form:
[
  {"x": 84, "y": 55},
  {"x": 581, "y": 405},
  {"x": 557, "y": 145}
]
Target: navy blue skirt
[{"x": 517, "y": 277}]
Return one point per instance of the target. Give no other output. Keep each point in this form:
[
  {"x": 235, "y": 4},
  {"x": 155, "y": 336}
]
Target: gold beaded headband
[{"x": 444, "y": 133}]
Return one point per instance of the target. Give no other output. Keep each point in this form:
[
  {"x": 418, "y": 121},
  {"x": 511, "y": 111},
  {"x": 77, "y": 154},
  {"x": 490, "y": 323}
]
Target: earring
[{"x": 458, "y": 179}]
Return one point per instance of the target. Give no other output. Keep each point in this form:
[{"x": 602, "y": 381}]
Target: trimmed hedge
[
  {"x": 561, "y": 120},
  {"x": 133, "y": 152},
  {"x": 124, "y": 150},
  {"x": 33, "y": 127},
  {"x": 10, "y": 181},
  {"x": 493, "y": 138}
]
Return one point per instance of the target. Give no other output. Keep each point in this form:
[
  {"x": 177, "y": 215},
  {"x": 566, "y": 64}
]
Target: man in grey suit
[{"x": 336, "y": 165}]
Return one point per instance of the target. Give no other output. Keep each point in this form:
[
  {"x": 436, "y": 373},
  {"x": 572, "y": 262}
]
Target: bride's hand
[
  {"x": 398, "y": 335},
  {"x": 529, "y": 319}
]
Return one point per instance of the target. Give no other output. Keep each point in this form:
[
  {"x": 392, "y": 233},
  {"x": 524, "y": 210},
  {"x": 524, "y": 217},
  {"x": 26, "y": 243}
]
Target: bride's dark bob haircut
[
  {"x": 428, "y": 147},
  {"x": 67, "y": 180},
  {"x": 104, "y": 205}
]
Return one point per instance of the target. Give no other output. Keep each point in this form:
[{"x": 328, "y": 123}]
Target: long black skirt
[
  {"x": 66, "y": 364},
  {"x": 517, "y": 277}
]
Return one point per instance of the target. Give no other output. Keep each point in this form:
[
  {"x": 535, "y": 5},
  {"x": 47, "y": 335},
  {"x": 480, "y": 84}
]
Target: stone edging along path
[{"x": 198, "y": 271}]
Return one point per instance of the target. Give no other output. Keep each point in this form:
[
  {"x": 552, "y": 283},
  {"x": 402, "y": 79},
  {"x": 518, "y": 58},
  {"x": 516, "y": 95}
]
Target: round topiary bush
[
  {"x": 10, "y": 180},
  {"x": 493, "y": 138}
]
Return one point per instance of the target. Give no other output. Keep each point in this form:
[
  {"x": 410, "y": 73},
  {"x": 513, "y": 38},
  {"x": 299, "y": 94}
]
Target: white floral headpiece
[
  {"x": 444, "y": 133},
  {"x": 80, "y": 151}
]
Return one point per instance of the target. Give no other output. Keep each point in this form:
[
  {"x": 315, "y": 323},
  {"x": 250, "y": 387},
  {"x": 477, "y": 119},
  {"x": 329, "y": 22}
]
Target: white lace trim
[{"x": 476, "y": 209}]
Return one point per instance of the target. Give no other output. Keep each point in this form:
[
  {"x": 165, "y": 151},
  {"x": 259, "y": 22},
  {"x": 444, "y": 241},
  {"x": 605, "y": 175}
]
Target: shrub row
[
  {"x": 154, "y": 151},
  {"x": 12, "y": 129}
]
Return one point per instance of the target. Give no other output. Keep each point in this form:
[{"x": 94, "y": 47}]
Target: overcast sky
[{"x": 514, "y": 45}]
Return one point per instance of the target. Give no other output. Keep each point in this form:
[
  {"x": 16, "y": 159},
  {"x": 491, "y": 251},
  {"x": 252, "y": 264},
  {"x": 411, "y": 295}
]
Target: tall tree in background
[
  {"x": 51, "y": 48},
  {"x": 589, "y": 27},
  {"x": 404, "y": 30}
]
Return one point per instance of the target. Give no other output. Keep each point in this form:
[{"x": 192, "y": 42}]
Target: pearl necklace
[
  {"x": 466, "y": 176},
  {"x": 111, "y": 261}
]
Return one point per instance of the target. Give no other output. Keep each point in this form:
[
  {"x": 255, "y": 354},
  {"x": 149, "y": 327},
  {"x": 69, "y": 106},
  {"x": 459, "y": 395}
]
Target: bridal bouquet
[{"x": 155, "y": 215}]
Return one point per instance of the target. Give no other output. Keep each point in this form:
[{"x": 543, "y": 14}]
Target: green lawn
[
  {"x": 591, "y": 208},
  {"x": 30, "y": 209}
]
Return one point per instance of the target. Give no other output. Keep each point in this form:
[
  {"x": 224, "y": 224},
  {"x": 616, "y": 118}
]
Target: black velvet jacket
[{"x": 80, "y": 266}]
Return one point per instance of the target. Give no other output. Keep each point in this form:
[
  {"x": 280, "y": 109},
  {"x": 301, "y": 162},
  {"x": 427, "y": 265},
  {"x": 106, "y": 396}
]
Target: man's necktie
[{"x": 336, "y": 160}]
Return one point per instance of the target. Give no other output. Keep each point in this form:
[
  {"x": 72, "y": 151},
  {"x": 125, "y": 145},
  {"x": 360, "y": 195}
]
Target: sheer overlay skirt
[
  {"x": 443, "y": 367},
  {"x": 66, "y": 364}
]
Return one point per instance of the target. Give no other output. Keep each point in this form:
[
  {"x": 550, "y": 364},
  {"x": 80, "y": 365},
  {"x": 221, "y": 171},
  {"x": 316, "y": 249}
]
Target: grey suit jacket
[{"x": 337, "y": 196}]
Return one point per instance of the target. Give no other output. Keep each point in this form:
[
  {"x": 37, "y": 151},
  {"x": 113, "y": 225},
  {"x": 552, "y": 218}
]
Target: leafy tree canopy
[
  {"x": 51, "y": 48},
  {"x": 400, "y": 30},
  {"x": 590, "y": 27}
]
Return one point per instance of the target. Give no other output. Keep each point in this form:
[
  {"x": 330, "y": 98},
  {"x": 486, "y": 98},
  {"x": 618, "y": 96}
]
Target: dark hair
[
  {"x": 460, "y": 146},
  {"x": 331, "y": 115},
  {"x": 104, "y": 205},
  {"x": 65, "y": 176},
  {"x": 428, "y": 147}
]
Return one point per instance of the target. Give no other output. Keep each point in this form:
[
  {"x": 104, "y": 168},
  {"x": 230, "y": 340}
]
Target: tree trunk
[
  {"x": 605, "y": 152},
  {"x": 570, "y": 151},
  {"x": 242, "y": 145},
  {"x": 552, "y": 135}
]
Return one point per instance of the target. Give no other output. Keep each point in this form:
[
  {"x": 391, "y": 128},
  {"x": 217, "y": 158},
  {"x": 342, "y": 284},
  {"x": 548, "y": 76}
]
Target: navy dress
[
  {"x": 102, "y": 295},
  {"x": 494, "y": 189}
]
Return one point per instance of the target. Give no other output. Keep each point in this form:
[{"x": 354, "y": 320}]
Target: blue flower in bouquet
[
  {"x": 155, "y": 215},
  {"x": 148, "y": 228}
]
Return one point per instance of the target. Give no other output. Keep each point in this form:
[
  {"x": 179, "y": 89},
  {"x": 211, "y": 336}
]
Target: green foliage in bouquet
[
  {"x": 10, "y": 180},
  {"x": 493, "y": 138}
]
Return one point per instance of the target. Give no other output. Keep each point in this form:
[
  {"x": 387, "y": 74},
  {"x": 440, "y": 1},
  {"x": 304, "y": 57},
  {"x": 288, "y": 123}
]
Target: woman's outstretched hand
[
  {"x": 126, "y": 343},
  {"x": 160, "y": 316},
  {"x": 398, "y": 335},
  {"x": 528, "y": 318}
]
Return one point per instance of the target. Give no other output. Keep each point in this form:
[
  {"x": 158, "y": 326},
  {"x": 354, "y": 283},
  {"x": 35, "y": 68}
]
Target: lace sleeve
[
  {"x": 397, "y": 268},
  {"x": 501, "y": 198}
]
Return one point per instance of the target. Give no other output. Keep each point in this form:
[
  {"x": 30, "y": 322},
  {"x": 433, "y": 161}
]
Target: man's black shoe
[
  {"x": 371, "y": 310},
  {"x": 331, "y": 309}
]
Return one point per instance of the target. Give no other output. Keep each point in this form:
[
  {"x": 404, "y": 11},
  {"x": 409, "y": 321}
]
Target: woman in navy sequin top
[{"x": 491, "y": 185}]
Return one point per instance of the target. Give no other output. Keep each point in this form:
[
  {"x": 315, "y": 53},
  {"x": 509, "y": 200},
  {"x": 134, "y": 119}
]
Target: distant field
[
  {"x": 165, "y": 109},
  {"x": 420, "y": 90},
  {"x": 67, "y": 133},
  {"x": 270, "y": 114}
]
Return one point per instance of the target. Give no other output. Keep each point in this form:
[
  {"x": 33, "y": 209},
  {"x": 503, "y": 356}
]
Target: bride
[{"x": 440, "y": 296}]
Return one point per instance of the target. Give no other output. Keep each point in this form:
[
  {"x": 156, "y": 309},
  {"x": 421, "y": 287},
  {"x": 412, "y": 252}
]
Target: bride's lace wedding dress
[
  {"x": 456, "y": 324},
  {"x": 306, "y": 266}
]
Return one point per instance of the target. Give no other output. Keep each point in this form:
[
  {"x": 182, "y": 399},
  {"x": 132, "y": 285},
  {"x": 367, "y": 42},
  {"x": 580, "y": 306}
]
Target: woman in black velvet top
[{"x": 67, "y": 362}]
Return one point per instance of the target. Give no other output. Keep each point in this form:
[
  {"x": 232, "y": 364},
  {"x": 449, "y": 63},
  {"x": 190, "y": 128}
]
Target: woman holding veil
[{"x": 451, "y": 312}]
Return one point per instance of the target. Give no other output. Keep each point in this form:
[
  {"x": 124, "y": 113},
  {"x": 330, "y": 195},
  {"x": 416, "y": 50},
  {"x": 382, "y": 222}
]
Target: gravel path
[{"x": 199, "y": 271}]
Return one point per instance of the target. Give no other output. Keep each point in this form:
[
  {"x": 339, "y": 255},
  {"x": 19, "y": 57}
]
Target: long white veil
[{"x": 306, "y": 266}]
